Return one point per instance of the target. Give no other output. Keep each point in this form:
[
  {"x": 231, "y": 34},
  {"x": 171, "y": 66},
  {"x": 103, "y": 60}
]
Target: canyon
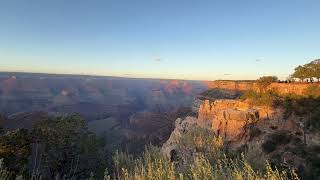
[
  {"x": 130, "y": 112},
  {"x": 162, "y": 112}
]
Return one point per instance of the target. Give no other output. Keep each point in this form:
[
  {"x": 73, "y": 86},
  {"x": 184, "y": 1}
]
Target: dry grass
[{"x": 207, "y": 163}]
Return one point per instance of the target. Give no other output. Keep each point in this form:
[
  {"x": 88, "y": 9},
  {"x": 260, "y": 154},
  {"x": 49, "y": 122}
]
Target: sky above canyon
[{"x": 179, "y": 39}]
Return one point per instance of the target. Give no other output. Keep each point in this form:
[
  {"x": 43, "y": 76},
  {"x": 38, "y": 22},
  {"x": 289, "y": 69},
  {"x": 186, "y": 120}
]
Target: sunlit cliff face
[
  {"x": 179, "y": 86},
  {"x": 227, "y": 118},
  {"x": 280, "y": 88}
]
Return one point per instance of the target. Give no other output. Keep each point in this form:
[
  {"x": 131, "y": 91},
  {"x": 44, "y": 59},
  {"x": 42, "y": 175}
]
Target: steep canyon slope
[{"x": 262, "y": 132}]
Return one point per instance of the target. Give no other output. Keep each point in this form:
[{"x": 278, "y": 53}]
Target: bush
[
  {"x": 268, "y": 98},
  {"x": 66, "y": 147},
  {"x": 15, "y": 149},
  {"x": 217, "y": 93},
  {"x": 265, "y": 81},
  {"x": 307, "y": 108},
  {"x": 208, "y": 160},
  {"x": 153, "y": 165}
]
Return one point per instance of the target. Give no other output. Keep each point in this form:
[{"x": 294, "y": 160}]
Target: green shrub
[
  {"x": 66, "y": 147},
  {"x": 267, "y": 98},
  {"x": 217, "y": 93},
  {"x": 307, "y": 106},
  {"x": 15, "y": 149},
  {"x": 265, "y": 81}
]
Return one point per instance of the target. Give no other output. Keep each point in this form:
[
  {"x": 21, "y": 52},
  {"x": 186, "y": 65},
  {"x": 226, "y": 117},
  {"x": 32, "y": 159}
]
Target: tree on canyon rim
[{"x": 309, "y": 71}]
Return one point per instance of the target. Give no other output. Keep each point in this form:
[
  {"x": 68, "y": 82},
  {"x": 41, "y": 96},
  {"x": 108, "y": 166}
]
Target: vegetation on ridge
[
  {"x": 309, "y": 71},
  {"x": 265, "y": 81},
  {"x": 206, "y": 159},
  {"x": 307, "y": 105}
]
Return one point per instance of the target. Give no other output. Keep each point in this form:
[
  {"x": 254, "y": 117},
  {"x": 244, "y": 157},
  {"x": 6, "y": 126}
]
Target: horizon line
[{"x": 103, "y": 76}]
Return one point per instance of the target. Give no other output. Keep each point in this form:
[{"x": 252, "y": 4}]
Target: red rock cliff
[{"x": 281, "y": 88}]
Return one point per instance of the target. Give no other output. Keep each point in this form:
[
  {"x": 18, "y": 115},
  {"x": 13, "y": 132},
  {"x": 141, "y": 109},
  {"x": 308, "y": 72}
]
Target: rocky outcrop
[
  {"x": 230, "y": 119},
  {"x": 213, "y": 95},
  {"x": 235, "y": 121},
  {"x": 182, "y": 126},
  {"x": 262, "y": 132},
  {"x": 197, "y": 102}
]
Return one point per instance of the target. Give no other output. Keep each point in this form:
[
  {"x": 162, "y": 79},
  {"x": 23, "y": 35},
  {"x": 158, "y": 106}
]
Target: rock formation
[
  {"x": 182, "y": 126},
  {"x": 280, "y": 88},
  {"x": 244, "y": 127}
]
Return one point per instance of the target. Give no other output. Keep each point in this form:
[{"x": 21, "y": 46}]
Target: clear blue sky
[{"x": 186, "y": 39}]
